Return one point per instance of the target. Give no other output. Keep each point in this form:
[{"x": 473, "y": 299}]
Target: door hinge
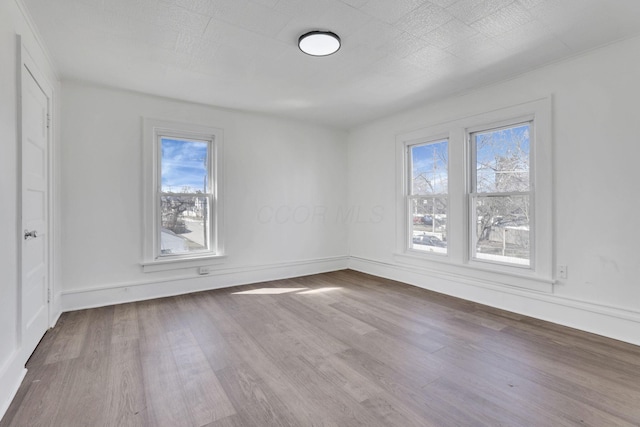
[
  {"x": 48, "y": 120},
  {"x": 48, "y": 295}
]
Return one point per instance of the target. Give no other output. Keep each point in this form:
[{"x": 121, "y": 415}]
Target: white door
[{"x": 35, "y": 233}]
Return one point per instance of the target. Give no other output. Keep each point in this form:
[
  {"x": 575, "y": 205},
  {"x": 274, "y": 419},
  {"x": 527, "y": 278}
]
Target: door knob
[{"x": 30, "y": 234}]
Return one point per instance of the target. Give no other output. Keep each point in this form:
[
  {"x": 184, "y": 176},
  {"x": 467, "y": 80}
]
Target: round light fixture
[{"x": 319, "y": 43}]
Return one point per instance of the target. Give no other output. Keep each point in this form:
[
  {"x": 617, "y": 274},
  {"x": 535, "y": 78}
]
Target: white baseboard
[
  {"x": 11, "y": 375},
  {"x": 55, "y": 309},
  {"x": 54, "y": 318},
  {"x": 612, "y": 322},
  {"x": 221, "y": 278}
]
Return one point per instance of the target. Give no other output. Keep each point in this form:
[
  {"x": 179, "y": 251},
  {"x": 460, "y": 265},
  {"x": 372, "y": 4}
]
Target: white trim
[
  {"x": 473, "y": 195},
  {"x": 152, "y": 130},
  {"x": 410, "y": 197},
  {"x": 185, "y": 262},
  {"x": 539, "y": 278},
  {"x": 33, "y": 29},
  {"x": 475, "y": 275},
  {"x": 21, "y": 52},
  {"x": 220, "y": 278},
  {"x": 55, "y": 318},
  {"x": 27, "y": 64},
  {"x": 12, "y": 374},
  {"x": 609, "y": 321}
]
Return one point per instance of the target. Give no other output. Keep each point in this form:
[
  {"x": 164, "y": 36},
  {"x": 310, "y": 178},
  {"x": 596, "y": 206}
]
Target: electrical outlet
[
  {"x": 204, "y": 270},
  {"x": 562, "y": 271}
]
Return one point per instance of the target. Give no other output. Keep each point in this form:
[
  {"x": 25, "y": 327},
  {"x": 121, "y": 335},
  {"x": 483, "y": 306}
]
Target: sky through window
[{"x": 184, "y": 165}]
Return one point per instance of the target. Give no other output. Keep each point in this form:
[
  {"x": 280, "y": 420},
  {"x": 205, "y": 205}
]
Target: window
[
  {"x": 427, "y": 196},
  {"x": 475, "y": 197},
  {"x": 183, "y": 195},
  {"x": 500, "y": 196}
]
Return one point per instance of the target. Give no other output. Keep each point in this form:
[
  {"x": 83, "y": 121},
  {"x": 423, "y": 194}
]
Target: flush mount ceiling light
[{"x": 319, "y": 43}]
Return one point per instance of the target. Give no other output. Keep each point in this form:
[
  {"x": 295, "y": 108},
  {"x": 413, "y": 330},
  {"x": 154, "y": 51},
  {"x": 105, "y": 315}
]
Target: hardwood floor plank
[
  {"x": 614, "y": 383},
  {"x": 338, "y": 406},
  {"x": 68, "y": 343},
  {"x": 577, "y": 340},
  {"x": 249, "y": 353},
  {"x": 231, "y": 421},
  {"x": 321, "y": 312},
  {"x": 206, "y": 398},
  {"x": 389, "y": 411},
  {"x": 125, "y": 404},
  {"x": 625, "y": 372},
  {"x": 442, "y": 322},
  {"x": 593, "y": 340},
  {"x": 256, "y": 403},
  {"x": 88, "y": 373},
  {"x": 125, "y": 323},
  {"x": 341, "y": 375},
  {"x": 98, "y": 332},
  {"x": 208, "y": 335},
  {"x": 332, "y": 349},
  {"x": 41, "y": 402},
  {"x": 533, "y": 386},
  {"x": 39, "y": 355},
  {"x": 164, "y": 394},
  {"x": 383, "y": 323},
  {"x": 507, "y": 393},
  {"x": 408, "y": 390},
  {"x": 86, "y": 381},
  {"x": 280, "y": 334}
]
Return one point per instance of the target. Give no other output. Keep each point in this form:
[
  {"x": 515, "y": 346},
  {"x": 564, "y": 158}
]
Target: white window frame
[
  {"x": 408, "y": 145},
  {"x": 459, "y": 262},
  {"x": 473, "y": 194},
  {"x": 153, "y": 131}
]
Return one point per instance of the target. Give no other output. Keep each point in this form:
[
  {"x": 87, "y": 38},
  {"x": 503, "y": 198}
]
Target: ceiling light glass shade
[{"x": 319, "y": 43}]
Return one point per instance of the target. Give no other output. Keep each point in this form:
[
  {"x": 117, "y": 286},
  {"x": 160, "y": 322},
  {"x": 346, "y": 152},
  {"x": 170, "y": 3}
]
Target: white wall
[
  {"x": 284, "y": 185},
  {"x": 596, "y": 203},
  {"x": 12, "y": 358}
]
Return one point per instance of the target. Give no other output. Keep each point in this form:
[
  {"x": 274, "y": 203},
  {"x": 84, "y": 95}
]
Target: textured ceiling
[{"x": 395, "y": 53}]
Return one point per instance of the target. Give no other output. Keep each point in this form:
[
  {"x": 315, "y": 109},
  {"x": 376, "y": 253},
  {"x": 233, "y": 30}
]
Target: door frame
[{"x": 27, "y": 64}]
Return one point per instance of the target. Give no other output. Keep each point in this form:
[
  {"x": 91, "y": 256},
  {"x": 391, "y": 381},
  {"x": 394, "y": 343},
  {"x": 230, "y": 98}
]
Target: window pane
[
  {"x": 502, "y": 159},
  {"x": 184, "y": 166},
  {"x": 184, "y": 224},
  {"x": 429, "y": 168},
  {"x": 429, "y": 224},
  {"x": 502, "y": 229}
]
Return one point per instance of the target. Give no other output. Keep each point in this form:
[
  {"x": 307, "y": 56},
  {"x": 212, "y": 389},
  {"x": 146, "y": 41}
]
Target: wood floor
[{"x": 335, "y": 349}]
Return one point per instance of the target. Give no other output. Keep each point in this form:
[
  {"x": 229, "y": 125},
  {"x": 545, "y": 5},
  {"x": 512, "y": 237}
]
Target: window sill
[
  {"x": 176, "y": 264},
  {"x": 430, "y": 253},
  {"x": 476, "y": 274}
]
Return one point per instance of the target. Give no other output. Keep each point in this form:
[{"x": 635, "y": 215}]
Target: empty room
[{"x": 319, "y": 213}]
